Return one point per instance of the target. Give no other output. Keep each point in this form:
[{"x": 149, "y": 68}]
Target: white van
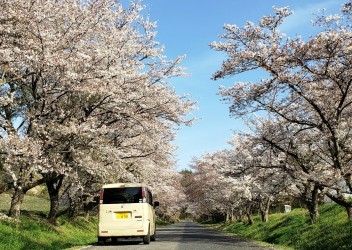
[{"x": 126, "y": 210}]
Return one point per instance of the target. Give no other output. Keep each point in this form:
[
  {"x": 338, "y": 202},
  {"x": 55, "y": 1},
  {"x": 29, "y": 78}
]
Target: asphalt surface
[{"x": 184, "y": 236}]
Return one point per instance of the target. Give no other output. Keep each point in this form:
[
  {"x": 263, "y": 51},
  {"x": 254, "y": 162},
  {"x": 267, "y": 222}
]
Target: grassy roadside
[
  {"x": 34, "y": 232},
  {"x": 333, "y": 230}
]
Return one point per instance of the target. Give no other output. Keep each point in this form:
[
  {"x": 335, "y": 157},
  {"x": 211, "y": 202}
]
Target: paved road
[{"x": 184, "y": 236}]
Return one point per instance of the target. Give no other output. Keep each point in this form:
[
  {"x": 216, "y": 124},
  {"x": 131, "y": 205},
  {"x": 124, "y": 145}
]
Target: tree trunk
[
  {"x": 232, "y": 216},
  {"x": 18, "y": 196},
  {"x": 239, "y": 215},
  {"x": 54, "y": 185},
  {"x": 16, "y": 203},
  {"x": 264, "y": 209},
  {"x": 349, "y": 212},
  {"x": 249, "y": 215},
  {"x": 227, "y": 216},
  {"x": 86, "y": 214},
  {"x": 249, "y": 219},
  {"x": 264, "y": 215},
  {"x": 312, "y": 204},
  {"x": 73, "y": 210},
  {"x": 313, "y": 212},
  {"x": 87, "y": 207}
]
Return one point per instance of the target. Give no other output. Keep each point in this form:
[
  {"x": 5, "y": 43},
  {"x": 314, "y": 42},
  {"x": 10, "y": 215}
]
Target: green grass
[
  {"x": 34, "y": 232},
  {"x": 30, "y": 203},
  {"x": 163, "y": 222},
  {"x": 332, "y": 231}
]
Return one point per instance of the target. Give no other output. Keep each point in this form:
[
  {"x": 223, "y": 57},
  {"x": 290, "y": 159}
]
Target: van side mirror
[{"x": 156, "y": 204}]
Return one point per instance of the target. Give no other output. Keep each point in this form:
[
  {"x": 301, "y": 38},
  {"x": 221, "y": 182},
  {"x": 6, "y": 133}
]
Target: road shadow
[
  {"x": 120, "y": 242},
  {"x": 188, "y": 232}
]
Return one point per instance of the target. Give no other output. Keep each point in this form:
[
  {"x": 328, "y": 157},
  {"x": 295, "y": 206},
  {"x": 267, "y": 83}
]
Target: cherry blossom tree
[
  {"x": 262, "y": 166},
  {"x": 166, "y": 186},
  {"x": 308, "y": 87},
  {"x": 20, "y": 162},
  {"x": 206, "y": 191},
  {"x": 250, "y": 177},
  {"x": 219, "y": 191},
  {"x": 86, "y": 82},
  {"x": 299, "y": 160}
]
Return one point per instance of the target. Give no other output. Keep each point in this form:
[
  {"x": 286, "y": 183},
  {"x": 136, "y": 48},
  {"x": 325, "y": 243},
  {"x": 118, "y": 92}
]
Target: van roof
[{"x": 120, "y": 185}]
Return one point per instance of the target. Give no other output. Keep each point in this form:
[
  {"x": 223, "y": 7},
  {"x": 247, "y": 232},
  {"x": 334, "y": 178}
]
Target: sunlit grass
[
  {"x": 30, "y": 203},
  {"x": 332, "y": 231},
  {"x": 34, "y": 232}
]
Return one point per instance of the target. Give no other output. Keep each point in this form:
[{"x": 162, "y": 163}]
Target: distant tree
[
  {"x": 262, "y": 165},
  {"x": 203, "y": 192},
  {"x": 166, "y": 185},
  {"x": 187, "y": 179},
  {"x": 217, "y": 193}
]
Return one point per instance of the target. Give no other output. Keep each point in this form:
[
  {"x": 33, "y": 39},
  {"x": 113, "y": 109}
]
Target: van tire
[
  {"x": 153, "y": 237},
  {"x": 101, "y": 241},
  {"x": 146, "y": 238}
]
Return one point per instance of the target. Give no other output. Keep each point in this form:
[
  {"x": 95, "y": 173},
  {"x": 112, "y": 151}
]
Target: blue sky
[{"x": 188, "y": 27}]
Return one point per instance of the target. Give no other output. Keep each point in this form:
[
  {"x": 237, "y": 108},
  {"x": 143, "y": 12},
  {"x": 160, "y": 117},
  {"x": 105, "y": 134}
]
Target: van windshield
[{"x": 122, "y": 195}]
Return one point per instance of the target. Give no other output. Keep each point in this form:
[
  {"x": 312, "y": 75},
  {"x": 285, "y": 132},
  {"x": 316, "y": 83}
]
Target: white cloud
[{"x": 301, "y": 19}]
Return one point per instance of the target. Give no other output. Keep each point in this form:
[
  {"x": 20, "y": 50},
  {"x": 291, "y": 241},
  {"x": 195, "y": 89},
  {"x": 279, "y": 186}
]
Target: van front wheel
[{"x": 146, "y": 238}]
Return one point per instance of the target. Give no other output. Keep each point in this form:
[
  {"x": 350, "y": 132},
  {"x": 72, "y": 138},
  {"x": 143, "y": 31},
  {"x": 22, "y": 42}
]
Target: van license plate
[{"x": 122, "y": 216}]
